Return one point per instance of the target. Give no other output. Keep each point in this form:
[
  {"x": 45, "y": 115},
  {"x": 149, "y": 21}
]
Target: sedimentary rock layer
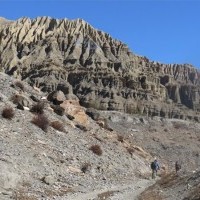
[{"x": 72, "y": 56}]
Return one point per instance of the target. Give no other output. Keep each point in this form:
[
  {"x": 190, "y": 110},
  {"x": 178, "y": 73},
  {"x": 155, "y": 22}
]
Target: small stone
[{"x": 49, "y": 180}]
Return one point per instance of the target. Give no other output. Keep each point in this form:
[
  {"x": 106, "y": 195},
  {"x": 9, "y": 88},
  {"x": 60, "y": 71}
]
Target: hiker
[
  {"x": 177, "y": 166},
  {"x": 155, "y": 167}
]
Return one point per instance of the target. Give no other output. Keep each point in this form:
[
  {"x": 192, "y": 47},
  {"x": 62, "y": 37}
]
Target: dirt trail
[{"x": 117, "y": 192}]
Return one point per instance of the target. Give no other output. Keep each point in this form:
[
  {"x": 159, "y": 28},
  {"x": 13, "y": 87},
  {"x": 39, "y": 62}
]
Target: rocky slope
[
  {"x": 182, "y": 186},
  {"x": 49, "y": 162},
  {"x": 58, "y": 162},
  {"x": 72, "y": 56}
]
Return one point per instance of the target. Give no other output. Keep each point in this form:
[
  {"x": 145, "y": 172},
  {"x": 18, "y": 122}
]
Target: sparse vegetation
[
  {"x": 120, "y": 138},
  {"x": 130, "y": 150},
  {"x": 177, "y": 125},
  {"x": 16, "y": 98},
  {"x": 8, "y": 113},
  {"x": 58, "y": 126},
  {"x": 38, "y": 108},
  {"x": 85, "y": 167},
  {"x": 20, "y": 85},
  {"x": 96, "y": 149},
  {"x": 41, "y": 121}
]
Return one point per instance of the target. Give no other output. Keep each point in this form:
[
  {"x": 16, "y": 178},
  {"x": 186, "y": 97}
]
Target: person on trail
[
  {"x": 155, "y": 167},
  {"x": 177, "y": 166}
]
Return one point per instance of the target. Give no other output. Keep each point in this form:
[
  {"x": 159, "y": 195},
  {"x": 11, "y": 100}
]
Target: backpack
[{"x": 153, "y": 165}]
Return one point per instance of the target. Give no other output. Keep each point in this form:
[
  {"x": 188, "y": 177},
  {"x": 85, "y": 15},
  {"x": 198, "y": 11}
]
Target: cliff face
[{"x": 72, "y": 56}]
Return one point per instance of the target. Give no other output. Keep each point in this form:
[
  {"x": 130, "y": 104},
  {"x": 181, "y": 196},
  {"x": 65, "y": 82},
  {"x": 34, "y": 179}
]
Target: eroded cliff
[{"x": 72, "y": 56}]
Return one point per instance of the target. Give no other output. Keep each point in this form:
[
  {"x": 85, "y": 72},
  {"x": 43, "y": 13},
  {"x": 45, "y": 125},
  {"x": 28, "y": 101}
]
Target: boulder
[
  {"x": 56, "y": 97},
  {"x": 74, "y": 109}
]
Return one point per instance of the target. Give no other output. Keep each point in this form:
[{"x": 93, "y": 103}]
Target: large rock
[{"x": 74, "y": 109}]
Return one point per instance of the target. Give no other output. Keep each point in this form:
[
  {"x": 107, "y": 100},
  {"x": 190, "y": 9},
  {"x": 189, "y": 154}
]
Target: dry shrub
[
  {"x": 85, "y": 167},
  {"x": 38, "y": 108},
  {"x": 8, "y": 113},
  {"x": 20, "y": 85},
  {"x": 130, "y": 150},
  {"x": 58, "y": 126},
  {"x": 16, "y": 98},
  {"x": 41, "y": 121},
  {"x": 120, "y": 138},
  {"x": 96, "y": 149}
]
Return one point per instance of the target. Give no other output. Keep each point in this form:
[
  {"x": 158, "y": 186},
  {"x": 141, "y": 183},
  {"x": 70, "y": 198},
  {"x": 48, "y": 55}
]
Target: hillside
[
  {"x": 44, "y": 161},
  {"x": 82, "y": 116},
  {"x": 58, "y": 160},
  {"x": 72, "y": 56}
]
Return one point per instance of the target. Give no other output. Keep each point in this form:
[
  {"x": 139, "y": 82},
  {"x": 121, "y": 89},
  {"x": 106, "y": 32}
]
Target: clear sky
[{"x": 167, "y": 31}]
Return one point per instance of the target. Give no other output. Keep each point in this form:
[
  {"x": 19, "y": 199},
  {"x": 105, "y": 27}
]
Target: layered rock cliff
[{"x": 72, "y": 56}]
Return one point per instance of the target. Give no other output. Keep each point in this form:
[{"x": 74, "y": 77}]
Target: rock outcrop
[{"x": 73, "y": 57}]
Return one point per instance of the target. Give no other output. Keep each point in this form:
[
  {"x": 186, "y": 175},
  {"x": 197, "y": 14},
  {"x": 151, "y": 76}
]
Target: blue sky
[{"x": 167, "y": 31}]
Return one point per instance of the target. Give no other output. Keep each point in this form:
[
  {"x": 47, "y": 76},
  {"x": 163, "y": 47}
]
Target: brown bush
[
  {"x": 85, "y": 167},
  {"x": 38, "y": 108},
  {"x": 130, "y": 150},
  {"x": 120, "y": 138},
  {"x": 96, "y": 149},
  {"x": 150, "y": 195},
  {"x": 8, "y": 113},
  {"x": 16, "y": 98},
  {"x": 41, "y": 121},
  {"x": 58, "y": 126},
  {"x": 20, "y": 85}
]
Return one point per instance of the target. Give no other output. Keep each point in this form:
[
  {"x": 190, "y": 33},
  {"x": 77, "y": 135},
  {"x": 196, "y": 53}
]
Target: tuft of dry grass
[
  {"x": 41, "y": 121},
  {"x": 130, "y": 150},
  {"x": 96, "y": 149},
  {"x": 120, "y": 138},
  {"x": 8, "y": 113},
  {"x": 38, "y": 108},
  {"x": 16, "y": 98},
  {"x": 20, "y": 85},
  {"x": 166, "y": 130},
  {"x": 58, "y": 126},
  {"x": 85, "y": 167}
]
